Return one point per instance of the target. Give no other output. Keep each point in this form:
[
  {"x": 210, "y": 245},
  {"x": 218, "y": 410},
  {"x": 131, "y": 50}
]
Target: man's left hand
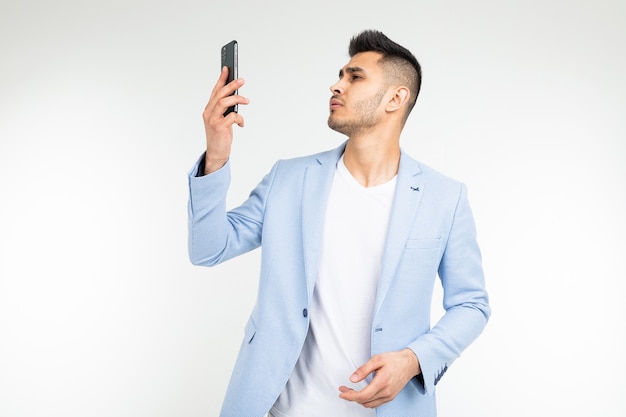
[{"x": 393, "y": 370}]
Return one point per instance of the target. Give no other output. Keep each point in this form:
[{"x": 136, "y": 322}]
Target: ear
[{"x": 399, "y": 99}]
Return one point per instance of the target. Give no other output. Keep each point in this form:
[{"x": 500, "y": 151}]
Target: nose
[{"x": 336, "y": 88}]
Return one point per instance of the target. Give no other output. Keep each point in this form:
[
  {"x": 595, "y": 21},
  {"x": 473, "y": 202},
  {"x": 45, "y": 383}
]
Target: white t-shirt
[{"x": 338, "y": 342}]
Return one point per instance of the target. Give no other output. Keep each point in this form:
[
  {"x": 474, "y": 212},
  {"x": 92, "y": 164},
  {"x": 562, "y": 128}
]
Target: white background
[{"x": 101, "y": 313}]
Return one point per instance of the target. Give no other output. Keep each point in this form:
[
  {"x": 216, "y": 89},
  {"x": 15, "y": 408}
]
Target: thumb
[{"x": 364, "y": 370}]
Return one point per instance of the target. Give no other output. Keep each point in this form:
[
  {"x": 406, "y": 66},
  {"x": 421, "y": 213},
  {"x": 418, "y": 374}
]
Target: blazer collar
[
  {"x": 407, "y": 197},
  {"x": 318, "y": 179}
]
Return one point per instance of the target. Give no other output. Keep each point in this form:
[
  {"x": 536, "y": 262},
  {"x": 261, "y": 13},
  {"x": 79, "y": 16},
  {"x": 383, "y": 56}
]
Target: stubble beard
[{"x": 366, "y": 117}]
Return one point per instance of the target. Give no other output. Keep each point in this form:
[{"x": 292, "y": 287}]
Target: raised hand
[{"x": 219, "y": 128}]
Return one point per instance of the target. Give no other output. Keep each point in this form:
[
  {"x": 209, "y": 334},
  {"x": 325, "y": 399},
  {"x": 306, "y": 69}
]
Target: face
[{"x": 357, "y": 101}]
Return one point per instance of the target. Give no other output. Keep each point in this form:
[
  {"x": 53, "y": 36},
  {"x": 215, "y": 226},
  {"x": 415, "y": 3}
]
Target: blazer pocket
[
  {"x": 423, "y": 243},
  {"x": 249, "y": 331}
]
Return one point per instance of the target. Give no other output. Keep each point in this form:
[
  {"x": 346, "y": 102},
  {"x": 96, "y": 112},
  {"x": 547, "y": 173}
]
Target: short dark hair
[{"x": 404, "y": 66}]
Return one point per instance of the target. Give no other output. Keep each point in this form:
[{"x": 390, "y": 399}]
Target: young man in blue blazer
[{"x": 352, "y": 242}]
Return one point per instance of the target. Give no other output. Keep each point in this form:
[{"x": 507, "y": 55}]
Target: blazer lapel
[
  {"x": 409, "y": 189},
  {"x": 318, "y": 179}
]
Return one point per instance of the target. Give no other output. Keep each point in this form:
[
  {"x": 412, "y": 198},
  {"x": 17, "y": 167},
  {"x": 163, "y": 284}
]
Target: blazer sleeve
[
  {"x": 215, "y": 235},
  {"x": 465, "y": 299}
]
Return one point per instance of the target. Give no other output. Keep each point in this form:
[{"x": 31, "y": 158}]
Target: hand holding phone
[
  {"x": 229, "y": 59},
  {"x": 218, "y": 129}
]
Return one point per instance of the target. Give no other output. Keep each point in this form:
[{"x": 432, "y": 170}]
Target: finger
[
  {"x": 230, "y": 101},
  {"x": 362, "y": 397},
  {"x": 210, "y": 106},
  {"x": 213, "y": 114},
  {"x": 226, "y": 92},
  {"x": 217, "y": 118},
  {"x": 230, "y": 88},
  {"x": 234, "y": 119},
  {"x": 367, "y": 368},
  {"x": 348, "y": 394},
  {"x": 221, "y": 82},
  {"x": 372, "y": 392},
  {"x": 343, "y": 389},
  {"x": 238, "y": 120},
  {"x": 221, "y": 89}
]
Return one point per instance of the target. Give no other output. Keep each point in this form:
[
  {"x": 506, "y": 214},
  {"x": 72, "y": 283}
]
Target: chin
[
  {"x": 333, "y": 124},
  {"x": 338, "y": 128}
]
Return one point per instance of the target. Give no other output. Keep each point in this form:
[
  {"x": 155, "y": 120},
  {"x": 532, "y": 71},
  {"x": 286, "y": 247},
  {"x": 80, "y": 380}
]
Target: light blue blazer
[{"x": 431, "y": 233}]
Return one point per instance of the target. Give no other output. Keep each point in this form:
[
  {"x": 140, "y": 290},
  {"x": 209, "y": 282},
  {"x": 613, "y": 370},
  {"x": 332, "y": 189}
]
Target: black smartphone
[{"x": 229, "y": 59}]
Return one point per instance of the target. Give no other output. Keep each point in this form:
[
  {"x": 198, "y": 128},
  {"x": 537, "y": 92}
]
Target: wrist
[
  {"x": 213, "y": 164},
  {"x": 414, "y": 363}
]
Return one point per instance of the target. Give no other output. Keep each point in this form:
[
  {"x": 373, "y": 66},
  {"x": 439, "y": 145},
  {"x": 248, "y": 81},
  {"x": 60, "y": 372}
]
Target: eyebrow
[{"x": 350, "y": 70}]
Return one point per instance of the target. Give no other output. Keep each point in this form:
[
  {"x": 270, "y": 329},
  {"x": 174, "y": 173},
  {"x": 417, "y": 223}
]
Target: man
[{"x": 352, "y": 240}]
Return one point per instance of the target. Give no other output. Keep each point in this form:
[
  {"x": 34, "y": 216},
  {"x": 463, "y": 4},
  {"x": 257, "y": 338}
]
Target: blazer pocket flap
[{"x": 423, "y": 243}]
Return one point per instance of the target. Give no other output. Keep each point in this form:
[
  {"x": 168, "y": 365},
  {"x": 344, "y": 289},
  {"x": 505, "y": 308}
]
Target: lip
[{"x": 335, "y": 104}]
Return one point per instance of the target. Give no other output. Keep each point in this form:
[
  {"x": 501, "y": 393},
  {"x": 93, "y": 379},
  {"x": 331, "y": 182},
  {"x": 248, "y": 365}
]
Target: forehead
[{"x": 366, "y": 61}]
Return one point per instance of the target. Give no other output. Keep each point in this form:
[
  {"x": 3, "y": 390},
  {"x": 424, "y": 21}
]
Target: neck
[{"x": 372, "y": 161}]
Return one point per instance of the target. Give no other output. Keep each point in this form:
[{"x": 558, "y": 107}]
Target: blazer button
[{"x": 305, "y": 313}]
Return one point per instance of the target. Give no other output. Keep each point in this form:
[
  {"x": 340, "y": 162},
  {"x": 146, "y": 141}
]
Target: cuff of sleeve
[
  {"x": 201, "y": 163},
  {"x": 431, "y": 371},
  {"x": 198, "y": 169},
  {"x": 203, "y": 186}
]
